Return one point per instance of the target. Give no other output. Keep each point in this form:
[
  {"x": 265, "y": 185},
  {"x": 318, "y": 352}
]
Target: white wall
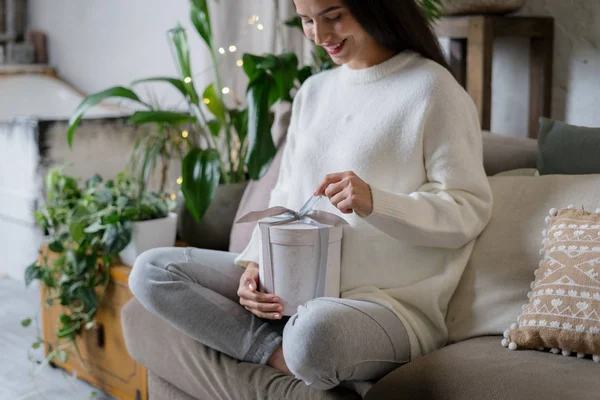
[
  {"x": 99, "y": 43},
  {"x": 96, "y": 44}
]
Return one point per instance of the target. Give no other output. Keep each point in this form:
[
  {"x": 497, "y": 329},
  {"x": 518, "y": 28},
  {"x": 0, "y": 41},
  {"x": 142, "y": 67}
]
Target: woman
[{"x": 393, "y": 141}]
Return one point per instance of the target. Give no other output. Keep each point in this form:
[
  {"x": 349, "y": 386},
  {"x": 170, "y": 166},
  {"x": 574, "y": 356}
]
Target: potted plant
[
  {"x": 88, "y": 228},
  {"x": 221, "y": 147}
]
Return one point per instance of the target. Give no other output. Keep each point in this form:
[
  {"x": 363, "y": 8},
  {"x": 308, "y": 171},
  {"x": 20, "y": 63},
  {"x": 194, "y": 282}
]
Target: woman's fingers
[
  {"x": 329, "y": 179},
  {"x": 264, "y": 307},
  {"x": 264, "y": 315},
  {"x": 334, "y": 189},
  {"x": 258, "y": 297}
]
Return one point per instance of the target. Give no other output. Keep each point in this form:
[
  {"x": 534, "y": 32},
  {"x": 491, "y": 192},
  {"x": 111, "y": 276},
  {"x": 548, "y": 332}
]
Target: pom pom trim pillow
[{"x": 563, "y": 312}]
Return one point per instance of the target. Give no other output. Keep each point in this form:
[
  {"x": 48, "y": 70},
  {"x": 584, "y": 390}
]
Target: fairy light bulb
[
  {"x": 260, "y": 27},
  {"x": 225, "y": 90},
  {"x": 184, "y": 134},
  {"x": 206, "y": 101},
  {"x": 187, "y": 80},
  {"x": 173, "y": 196},
  {"x": 232, "y": 48},
  {"x": 179, "y": 180},
  {"x": 240, "y": 63},
  {"x": 221, "y": 50}
]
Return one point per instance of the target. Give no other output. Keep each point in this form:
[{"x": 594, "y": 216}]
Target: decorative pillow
[
  {"x": 563, "y": 312},
  {"x": 567, "y": 149}
]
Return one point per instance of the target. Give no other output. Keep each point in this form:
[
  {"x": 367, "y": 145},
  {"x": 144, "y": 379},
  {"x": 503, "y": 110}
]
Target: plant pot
[
  {"x": 214, "y": 229},
  {"x": 465, "y": 7},
  {"x": 148, "y": 235}
]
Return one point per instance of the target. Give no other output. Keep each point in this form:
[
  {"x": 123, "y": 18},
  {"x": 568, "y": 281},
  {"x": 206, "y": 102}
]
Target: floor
[{"x": 17, "y": 381}]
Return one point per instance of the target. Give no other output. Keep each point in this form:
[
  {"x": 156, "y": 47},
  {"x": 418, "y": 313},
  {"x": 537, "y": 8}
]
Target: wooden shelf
[
  {"x": 19, "y": 69},
  {"x": 471, "y": 55}
]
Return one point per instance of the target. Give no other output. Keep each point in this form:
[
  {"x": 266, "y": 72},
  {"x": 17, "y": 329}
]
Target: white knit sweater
[{"x": 409, "y": 130}]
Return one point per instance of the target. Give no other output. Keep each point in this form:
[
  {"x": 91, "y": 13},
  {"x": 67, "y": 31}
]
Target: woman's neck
[{"x": 374, "y": 56}]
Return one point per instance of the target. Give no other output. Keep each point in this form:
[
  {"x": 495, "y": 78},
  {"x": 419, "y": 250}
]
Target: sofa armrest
[{"x": 504, "y": 153}]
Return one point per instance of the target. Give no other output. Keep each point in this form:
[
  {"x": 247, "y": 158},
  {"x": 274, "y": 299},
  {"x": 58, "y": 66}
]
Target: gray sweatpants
[{"x": 326, "y": 342}]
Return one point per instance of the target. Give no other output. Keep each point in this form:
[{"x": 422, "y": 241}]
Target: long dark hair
[{"x": 398, "y": 25}]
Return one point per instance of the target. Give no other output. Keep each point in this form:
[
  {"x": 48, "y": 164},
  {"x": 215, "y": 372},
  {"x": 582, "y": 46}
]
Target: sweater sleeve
[
  {"x": 279, "y": 194},
  {"x": 454, "y": 205}
]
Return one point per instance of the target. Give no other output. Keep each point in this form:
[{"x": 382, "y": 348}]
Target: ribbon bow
[{"x": 281, "y": 215}]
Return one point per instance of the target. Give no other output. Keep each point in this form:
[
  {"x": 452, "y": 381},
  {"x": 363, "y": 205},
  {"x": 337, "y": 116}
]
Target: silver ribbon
[{"x": 307, "y": 214}]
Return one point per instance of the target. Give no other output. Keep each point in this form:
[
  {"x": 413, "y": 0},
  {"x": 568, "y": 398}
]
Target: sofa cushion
[
  {"x": 494, "y": 286},
  {"x": 204, "y": 373},
  {"x": 505, "y": 153},
  {"x": 563, "y": 311},
  {"x": 158, "y": 388},
  {"x": 257, "y": 193},
  {"x": 481, "y": 369},
  {"x": 567, "y": 149}
]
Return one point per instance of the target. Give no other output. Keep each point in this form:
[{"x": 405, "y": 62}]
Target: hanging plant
[{"x": 87, "y": 227}]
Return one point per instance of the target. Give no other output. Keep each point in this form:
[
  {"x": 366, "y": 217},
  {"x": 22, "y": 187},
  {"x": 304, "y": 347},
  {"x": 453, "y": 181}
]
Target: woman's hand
[
  {"x": 262, "y": 305},
  {"x": 347, "y": 192}
]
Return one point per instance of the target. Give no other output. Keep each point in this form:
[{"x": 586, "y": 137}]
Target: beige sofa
[{"x": 474, "y": 365}]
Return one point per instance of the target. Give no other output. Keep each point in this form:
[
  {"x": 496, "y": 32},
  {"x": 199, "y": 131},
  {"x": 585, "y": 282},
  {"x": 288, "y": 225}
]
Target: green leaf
[
  {"x": 181, "y": 50},
  {"x": 239, "y": 119},
  {"x": 77, "y": 230},
  {"x": 253, "y": 65},
  {"x": 112, "y": 219},
  {"x": 130, "y": 213},
  {"x": 95, "y": 99},
  {"x": 93, "y": 182},
  {"x": 122, "y": 201},
  {"x": 32, "y": 273},
  {"x": 117, "y": 237},
  {"x": 88, "y": 296},
  {"x": 285, "y": 74},
  {"x": 294, "y": 22},
  {"x": 177, "y": 83},
  {"x": 97, "y": 226},
  {"x": 215, "y": 105},
  {"x": 65, "y": 319},
  {"x": 433, "y": 9},
  {"x": 273, "y": 91},
  {"x": 261, "y": 148},
  {"x": 26, "y": 322},
  {"x": 215, "y": 127},
  {"x": 304, "y": 73},
  {"x": 166, "y": 117},
  {"x": 56, "y": 247},
  {"x": 201, "y": 176},
  {"x": 200, "y": 17},
  {"x": 36, "y": 345}
]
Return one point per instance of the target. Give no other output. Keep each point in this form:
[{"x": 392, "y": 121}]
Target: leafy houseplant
[
  {"x": 433, "y": 9},
  {"x": 88, "y": 226},
  {"x": 218, "y": 144}
]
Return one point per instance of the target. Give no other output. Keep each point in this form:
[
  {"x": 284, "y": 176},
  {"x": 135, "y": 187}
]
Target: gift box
[{"x": 300, "y": 254}]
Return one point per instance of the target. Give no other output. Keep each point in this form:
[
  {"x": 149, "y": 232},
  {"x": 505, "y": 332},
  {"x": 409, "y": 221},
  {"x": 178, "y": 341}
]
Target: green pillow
[{"x": 567, "y": 149}]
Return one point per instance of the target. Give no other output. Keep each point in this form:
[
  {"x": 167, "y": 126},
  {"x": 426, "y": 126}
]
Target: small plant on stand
[{"x": 87, "y": 227}]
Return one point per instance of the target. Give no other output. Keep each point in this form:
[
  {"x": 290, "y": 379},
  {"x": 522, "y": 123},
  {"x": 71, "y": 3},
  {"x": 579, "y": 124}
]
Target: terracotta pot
[
  {"x": 464, "y": 7},
  {"x": 214, "y": 229}
]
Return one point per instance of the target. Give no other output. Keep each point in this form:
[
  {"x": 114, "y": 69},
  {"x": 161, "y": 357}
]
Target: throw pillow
[
  {"x": 567, "y": 149},
  {"x": 563, "y": 312}
]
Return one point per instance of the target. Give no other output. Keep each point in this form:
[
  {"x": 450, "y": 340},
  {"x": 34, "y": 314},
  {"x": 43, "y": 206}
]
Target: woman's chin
[{"x": 340, "y": 59}]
